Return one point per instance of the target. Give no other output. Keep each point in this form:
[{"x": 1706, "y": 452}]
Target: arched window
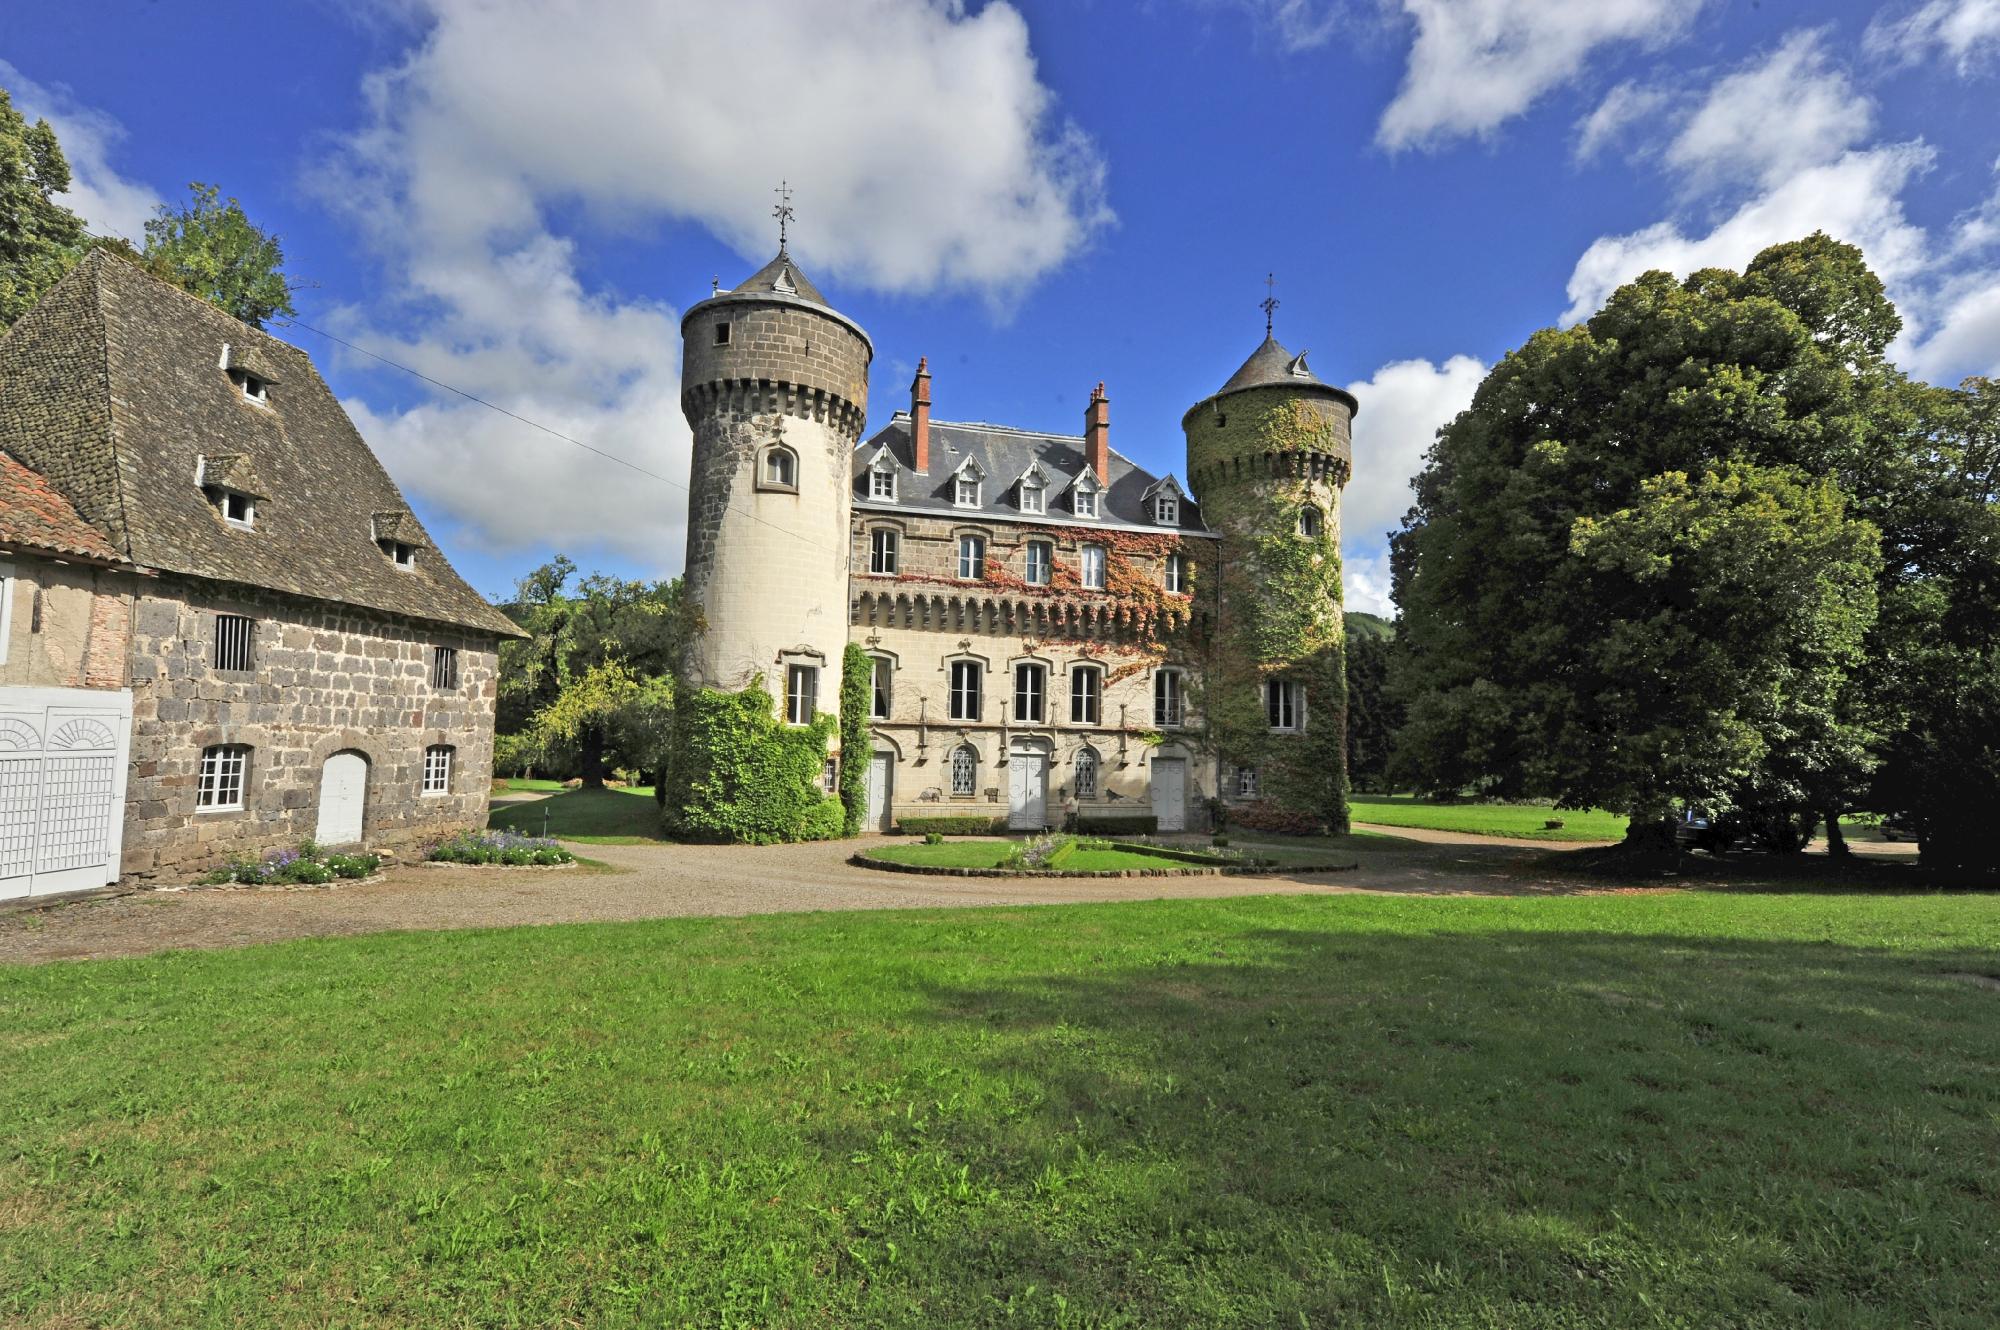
[
  {"x": 1311, "y": 522},
  {"x": 1086, "y": 773},
  {"x": 964, "y": 770},
  {"x": 781, "y": 469}
]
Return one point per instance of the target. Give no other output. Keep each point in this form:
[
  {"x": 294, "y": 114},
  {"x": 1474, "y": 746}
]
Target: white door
[
  {"x": 343, "y": 794},
  {"x": 62, "y": 788},
  {"x": 1170, "y": 793},
  {"x": 1028, "y": 804},
  {"x": 879, "y": 770}
]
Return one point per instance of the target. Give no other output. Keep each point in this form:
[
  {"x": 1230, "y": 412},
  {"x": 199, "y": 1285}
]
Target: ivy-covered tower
[
  {"x": 774, "y": 384},
  {"x": 1268, "y": 456}
]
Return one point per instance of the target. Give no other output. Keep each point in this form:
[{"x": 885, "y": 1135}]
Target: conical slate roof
[
  {"x": 781, "y": 276},
  {"x": 1270, "y": 364}
]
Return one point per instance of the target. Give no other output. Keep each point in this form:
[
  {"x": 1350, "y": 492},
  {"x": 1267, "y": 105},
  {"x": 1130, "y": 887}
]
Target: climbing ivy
[
  {"x": 857, "y": 671},
  {"x": 734, "y": 772}
]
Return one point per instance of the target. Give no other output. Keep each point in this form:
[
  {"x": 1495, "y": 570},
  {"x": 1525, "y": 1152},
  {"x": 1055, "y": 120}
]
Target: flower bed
[
  {"x": 308, "y": 865},
  {"x": 499, "y": 847},
  {"x": 1069, "y": 856}
]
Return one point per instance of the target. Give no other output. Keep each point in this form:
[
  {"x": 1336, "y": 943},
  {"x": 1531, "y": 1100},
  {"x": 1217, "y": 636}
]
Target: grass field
[
  {"x": 600, "y": 817},
  {"x": 1519, "y": 820},
  {"x": 1676, "y": 1109},
  {"x": 989, "y": 853}
]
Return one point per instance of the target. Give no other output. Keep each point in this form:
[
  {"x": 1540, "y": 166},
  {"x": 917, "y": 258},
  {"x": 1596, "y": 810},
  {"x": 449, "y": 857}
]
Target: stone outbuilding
[{"x": 244, "y": 585}]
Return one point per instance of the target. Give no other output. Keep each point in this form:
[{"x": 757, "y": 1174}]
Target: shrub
[
  {"x": 498, "y": 847},
  {"x": 1265, "y": 816},
  {"x": 956, "y": 824},
  {"x": 735, "y": 773},
  {"x": 306, "y": 865},
  {"x": 1118, "y": 824},
  {"x": 352, "y": 865},
  {"x": 857, "y": 681},
  {"x": 933, "y": 838}
]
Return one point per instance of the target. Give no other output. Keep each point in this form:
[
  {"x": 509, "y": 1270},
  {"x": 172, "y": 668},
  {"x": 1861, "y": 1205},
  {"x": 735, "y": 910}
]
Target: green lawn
[
  {"x": 599, "y": 817},
  {"x": 1522, "y": 820},
  {"x": 526, "y": 785},
  {"x": 1669, "y": 1109}
]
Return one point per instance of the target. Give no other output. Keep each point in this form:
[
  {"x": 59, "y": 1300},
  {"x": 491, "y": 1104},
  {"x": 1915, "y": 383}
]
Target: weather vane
[
  {"x": 1269, "y": 304},
  {"x": 783, "y": 212}
]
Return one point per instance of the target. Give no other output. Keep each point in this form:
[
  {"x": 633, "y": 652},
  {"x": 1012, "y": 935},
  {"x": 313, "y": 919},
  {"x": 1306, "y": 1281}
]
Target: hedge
[
  {"x": 960, "y": 824},
  {"x": 1118, "y": 824},
  {"x": 736, "y": 773}
]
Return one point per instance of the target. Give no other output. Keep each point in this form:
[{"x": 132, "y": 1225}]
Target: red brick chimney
[
  {"x": 1097, "y": 434},
  {"x": 920, "y": 416}
]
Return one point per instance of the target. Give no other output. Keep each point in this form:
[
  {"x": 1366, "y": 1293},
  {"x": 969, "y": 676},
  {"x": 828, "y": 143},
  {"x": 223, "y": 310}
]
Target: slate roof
[
  {"x": 33, "y": 516},
  {"x": 1003, "y": 455},
  {"x": 113, "y": 386},
  {"x": 779, "y": 282},
  {"x": 780, "y": 273},
  {"x": 1272, "y": 366}
]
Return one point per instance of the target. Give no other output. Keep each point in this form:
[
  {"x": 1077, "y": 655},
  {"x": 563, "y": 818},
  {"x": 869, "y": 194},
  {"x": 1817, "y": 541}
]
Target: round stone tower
[
  {"x": 1267, "y": 457},
  {"x": 774, "y": 384}
]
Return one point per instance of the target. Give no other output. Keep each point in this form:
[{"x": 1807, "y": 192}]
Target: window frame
[
  {"x": 247, "y": 522},
  {"x": 1084, "y": 557},
  {"x": 1284, "y": 706},
  {"x": 1086, "y": 705},
  {"x": 878, "y": 473},
  {"x": 1047, "y": 550},
  {"x": 439, "y": 759},
  {"x": 1040, "y": 506},
  {"x": 1087, "y": 761},
  {"x": 1083, "y": 502},
  {"x": 960, "y": 480},
  {"x": 977, "y": 543},
  {"x": 1169, "y": 712},
  {"x": 8, "y": 578},
  {"x": 223, "y": 767},
  {"x": 1311, "y": 516},
  {"x": 1167, "y": 509},
  {"x": 765, "y": 481},
  {"x": 444, "y": 668},
  {"x": 881, "y": 689},
  {"x": 877, "y": 547},
  {"x": 1246, "y": 783},
  {"x": 247, "y": 642},
  {"x": 1174, "y": 574},
  {"x": 801, "y": 701},
  {"x": 965, "y": 701},
  {"x": 1031, "y": 669},
  {"x": 830, "y": 776}
]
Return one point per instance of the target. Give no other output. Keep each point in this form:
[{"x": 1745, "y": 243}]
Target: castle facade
[{"x": 1055, "y": 635}]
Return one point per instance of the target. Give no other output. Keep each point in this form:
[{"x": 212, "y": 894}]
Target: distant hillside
[{"x": 1363, "y": 624}]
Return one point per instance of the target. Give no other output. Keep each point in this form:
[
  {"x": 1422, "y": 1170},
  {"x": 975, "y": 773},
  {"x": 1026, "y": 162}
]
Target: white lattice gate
[{"x": 62, "y": 788}]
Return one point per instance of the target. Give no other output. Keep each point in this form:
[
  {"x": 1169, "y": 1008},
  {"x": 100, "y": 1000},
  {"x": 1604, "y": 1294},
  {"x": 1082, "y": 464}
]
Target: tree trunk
[
  {"x": 1836, "y": 843},
  {"x": 1651, "y": 831},
  {"x": 593, "y": 757}
]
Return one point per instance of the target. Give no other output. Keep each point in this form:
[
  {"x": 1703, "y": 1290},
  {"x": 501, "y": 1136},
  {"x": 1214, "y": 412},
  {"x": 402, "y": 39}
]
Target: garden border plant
[
  {"x": 1044, "y": 857},
  {"x": 307, "y": 866},
  {"x": 506, "y": 849}
]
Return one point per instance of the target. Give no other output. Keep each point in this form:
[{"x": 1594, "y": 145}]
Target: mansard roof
[
  {"x": 114, "y": 386},
  {"x": 1000, "y": 451}
]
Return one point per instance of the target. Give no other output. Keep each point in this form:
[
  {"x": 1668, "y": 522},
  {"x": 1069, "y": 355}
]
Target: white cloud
[
  {"x": 109, "y": 203},
  {"x": 1624, "y": 106},
  {"x": 924, "y": 153},
  {"x": 1403, "y": 404},
  {"x": 1966, "y": 336},
  {"x": 1772, "y": 119},
  {"x": 1856, "y": 198},
  {"x": 1968, "y": 31},
  {"x": 1300, "y": 25},
  {"x": 1476, "y": 64}
]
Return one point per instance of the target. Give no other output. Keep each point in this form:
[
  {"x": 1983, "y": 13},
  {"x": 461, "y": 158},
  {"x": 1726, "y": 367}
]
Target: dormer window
[
  {"x": 239, "y": 510},
  {"x": 1083, "y": 499},
  {"x": 882, "y": 481},
  {"x": 1032, "y": 496},
  {"x": 253, "y": 386},
  {"x": 966, "y": 485},
  {"x": 402, "y": 555},
  {"x": 1167, "y": 510}
]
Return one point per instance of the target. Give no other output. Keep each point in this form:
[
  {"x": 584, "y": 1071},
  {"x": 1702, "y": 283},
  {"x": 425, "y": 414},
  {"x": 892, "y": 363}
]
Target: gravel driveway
[{"x": 658, "y": 881}]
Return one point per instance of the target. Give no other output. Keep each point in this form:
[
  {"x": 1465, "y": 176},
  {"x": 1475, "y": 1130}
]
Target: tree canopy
[
  {"x": 208, "y": 246},
  {"x": 40, "y": 239}
]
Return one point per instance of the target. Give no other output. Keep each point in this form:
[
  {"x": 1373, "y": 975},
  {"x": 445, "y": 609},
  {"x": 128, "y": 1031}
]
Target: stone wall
[
  {"x": 68, "y": 626},
  {"x": 325, "y": 679}
]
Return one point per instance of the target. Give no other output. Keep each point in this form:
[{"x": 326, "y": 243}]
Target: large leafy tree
[
  {"x": 1374, "y": 713},
  {"x": 592, "y": 678},
  {"x": 209, "y": 246},
  {"x": 40, "y": 239},
  {"x": 1641, "y": 565}
]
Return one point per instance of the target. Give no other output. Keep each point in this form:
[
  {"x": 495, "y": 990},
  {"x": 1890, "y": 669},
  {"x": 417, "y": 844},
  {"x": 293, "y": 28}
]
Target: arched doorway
[{"x": 343, "y": 799}]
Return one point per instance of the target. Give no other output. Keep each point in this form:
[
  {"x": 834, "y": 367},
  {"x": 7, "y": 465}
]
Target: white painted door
[
  {"x": 62, "y": 788},
  {"x": 1028, "y": 781},
  {"x": 1170, "y": 793},
  {"x": 343, "y": 795},
  {"x": 879, "y": 776}
]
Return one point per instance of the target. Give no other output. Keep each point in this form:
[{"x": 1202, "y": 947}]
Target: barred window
[
  {"x": 884, "y": 547},
  {"x": 965, "y": 690},
  {"x": 964, "y": 769},
  {"x": 1093, "y": 567},
  {"x": 801, "y": 694},
  {"x": 1041, "y": 559},
  {"x": 1167, "y": 697},
  {"x": 830, "y": 776},
  {"x": 1030, "y": 683},
  {"x": 1086, "y": 693},
  {"x": 437, "y": 769},
  {"x": 444, "y": 668},
  {"x": 223, "y": 768},
  {"x": 1246, "y": 782},
  {"x": 233, "y": 636},
  {"x": 1086, "y": 774}
]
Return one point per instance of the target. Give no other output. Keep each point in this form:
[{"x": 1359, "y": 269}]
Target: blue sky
[{"x": 520, "y": 199}]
